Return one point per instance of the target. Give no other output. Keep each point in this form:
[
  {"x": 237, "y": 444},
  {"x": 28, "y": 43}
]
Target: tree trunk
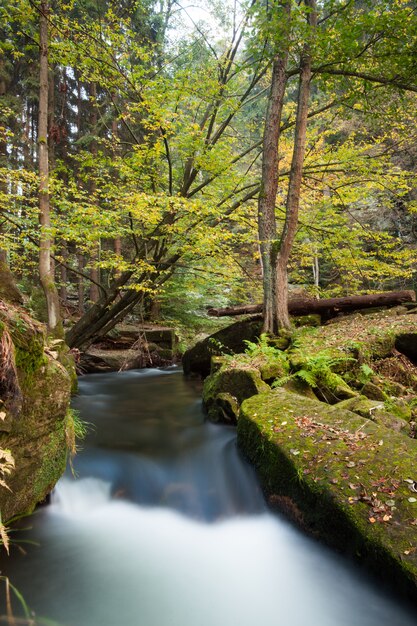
[
  {"x": 80, "y": 285},
  {"x": 294, "y": 186},
  {"x": 63, "y": 292},
  {"x": 95, "y": 257},
  {"x": 45, "y": 269},
  {"x": 328, "y": 307},
  {"x": 267, "y": 228},
  {"x": 3, "y": 158}
]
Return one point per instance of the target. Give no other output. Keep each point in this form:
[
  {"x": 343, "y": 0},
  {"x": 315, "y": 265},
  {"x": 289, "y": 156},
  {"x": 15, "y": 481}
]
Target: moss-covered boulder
[
  {"x": 376, "y": 411},
  {"x": 350, "y": 480},
  {"x": 227, "y": 387},
  {"x": 229, "y": 340},
  {"x": 35, "y": 392}
]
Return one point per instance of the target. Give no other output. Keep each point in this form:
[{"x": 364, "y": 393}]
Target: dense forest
[{"x": 157, "y": 159}]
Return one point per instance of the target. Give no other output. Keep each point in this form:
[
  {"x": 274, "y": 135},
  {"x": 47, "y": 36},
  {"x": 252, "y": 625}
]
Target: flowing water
[{"x": 166, "y": 526}]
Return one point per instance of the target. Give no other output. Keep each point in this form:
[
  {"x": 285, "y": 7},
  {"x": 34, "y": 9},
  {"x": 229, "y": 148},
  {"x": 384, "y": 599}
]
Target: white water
[{"x": 156, "y": 533}]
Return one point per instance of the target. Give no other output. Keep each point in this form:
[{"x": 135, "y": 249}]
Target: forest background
[{"x": 137, "y": 164}]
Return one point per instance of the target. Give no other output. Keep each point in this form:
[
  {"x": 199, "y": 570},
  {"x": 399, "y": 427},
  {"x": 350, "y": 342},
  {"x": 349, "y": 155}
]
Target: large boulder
[
  {"x": 229, "y": 340},
  {"x": 348, "y": 480},
  {"x": 36, "y": 423}
]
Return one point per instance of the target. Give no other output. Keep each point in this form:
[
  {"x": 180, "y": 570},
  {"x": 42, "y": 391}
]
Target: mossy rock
[
  {"x": 272, "y": 369},
  {"x": 376, "y": 411},
  {"x": 281, "y": 343},
  {"x": 166, "y": 354},
  {"x": 37, "y": 433},
  {"x": 347, "y": 475},
  {"x": 373, "y": 392},
  {"x": 400, "y": 407},
  {"x": 239, "y": 383},
  {"x": 314, "y": 319},
  {"x": 300, "y": 387},
  {"x": 229, "y": 340},
  {"x": 224, "y": 408},
  {"x": 361, "y": 405}
]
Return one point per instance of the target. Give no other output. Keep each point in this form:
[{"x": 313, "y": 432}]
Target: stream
[{"x": 165, "y": 525}]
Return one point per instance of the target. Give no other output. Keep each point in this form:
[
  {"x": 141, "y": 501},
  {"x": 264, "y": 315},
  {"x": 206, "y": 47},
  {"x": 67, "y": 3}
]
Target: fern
[
  {"x": 264, "y": 349},
  {"x": 317, "y": 371},
  {"x": 365, "y": 373}
]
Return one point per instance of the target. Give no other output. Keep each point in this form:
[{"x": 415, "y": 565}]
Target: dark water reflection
[{"x": 166, "y": 526}]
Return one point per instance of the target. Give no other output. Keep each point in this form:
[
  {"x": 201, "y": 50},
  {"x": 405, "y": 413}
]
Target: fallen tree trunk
[{"x": 327, "y": 307}]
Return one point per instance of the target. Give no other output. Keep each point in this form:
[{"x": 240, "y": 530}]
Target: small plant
[
  {"x": 317, "y": 372},
  {"x": 217, "y": 348},
  {"x": 263, "y": 348},
  {"x": 365, "y": 373},
  {"x": 76, "y": 430}
]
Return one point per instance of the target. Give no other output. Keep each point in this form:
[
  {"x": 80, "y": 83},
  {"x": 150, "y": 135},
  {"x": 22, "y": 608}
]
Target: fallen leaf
[
  {"x": 2, "y": 415},
  {"x": 372, "y": 520}
]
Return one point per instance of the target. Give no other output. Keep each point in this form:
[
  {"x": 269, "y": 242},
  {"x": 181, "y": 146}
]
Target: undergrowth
[{"x": 317, "y": 372}]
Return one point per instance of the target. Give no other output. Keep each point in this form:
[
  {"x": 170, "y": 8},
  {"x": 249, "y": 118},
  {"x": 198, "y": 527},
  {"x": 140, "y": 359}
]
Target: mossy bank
[
  {"x": 36, "y": 423},
  {"x": 329, "y": 422}
]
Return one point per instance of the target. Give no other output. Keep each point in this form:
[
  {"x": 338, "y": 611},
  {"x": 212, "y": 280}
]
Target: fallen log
[{"x": 327, "y": 307}]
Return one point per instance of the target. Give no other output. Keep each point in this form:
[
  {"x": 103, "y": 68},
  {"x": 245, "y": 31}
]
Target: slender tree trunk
[
  {"x": 45, "y": 269},
  {"x": 63, "y": 292},
  {"x": 117, "y": 244},
  {"x": 80, "y": 284},
  {"x": 294, "y": 186},
  {"x": 3, "y": 159},
  {"x": 267, "y": 227},
  {"x": 95, "y": 257}
]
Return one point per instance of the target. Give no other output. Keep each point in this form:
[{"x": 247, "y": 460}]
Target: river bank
[{"x": 329, "y": 422}]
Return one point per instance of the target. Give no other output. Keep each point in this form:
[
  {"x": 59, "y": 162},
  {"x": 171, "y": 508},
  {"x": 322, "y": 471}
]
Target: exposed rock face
[{"x": 35, "y": 392}]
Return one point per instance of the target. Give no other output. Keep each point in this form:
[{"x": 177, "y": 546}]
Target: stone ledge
[{"x": 344, "y": 475}]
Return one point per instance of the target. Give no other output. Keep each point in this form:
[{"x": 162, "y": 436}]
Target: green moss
[
  {"x": 398, "y": 407},
  {"x": 307, "y": 320},
  {"x": 343, "y": 473},
  {"x": 28, "y": 360},
  {"x": 53, "y": 463},
  {"x": 239, "y": 383}
]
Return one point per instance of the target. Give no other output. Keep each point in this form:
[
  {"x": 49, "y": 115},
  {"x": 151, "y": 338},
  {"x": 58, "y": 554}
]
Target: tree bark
[
  {"x": 328, "y": 307},
  {"x": 267, "y": 228},
  {"x": 45, "y": 269},
  {"x": 294, "y": 185},
  {"x": 95, "y": 257}
]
